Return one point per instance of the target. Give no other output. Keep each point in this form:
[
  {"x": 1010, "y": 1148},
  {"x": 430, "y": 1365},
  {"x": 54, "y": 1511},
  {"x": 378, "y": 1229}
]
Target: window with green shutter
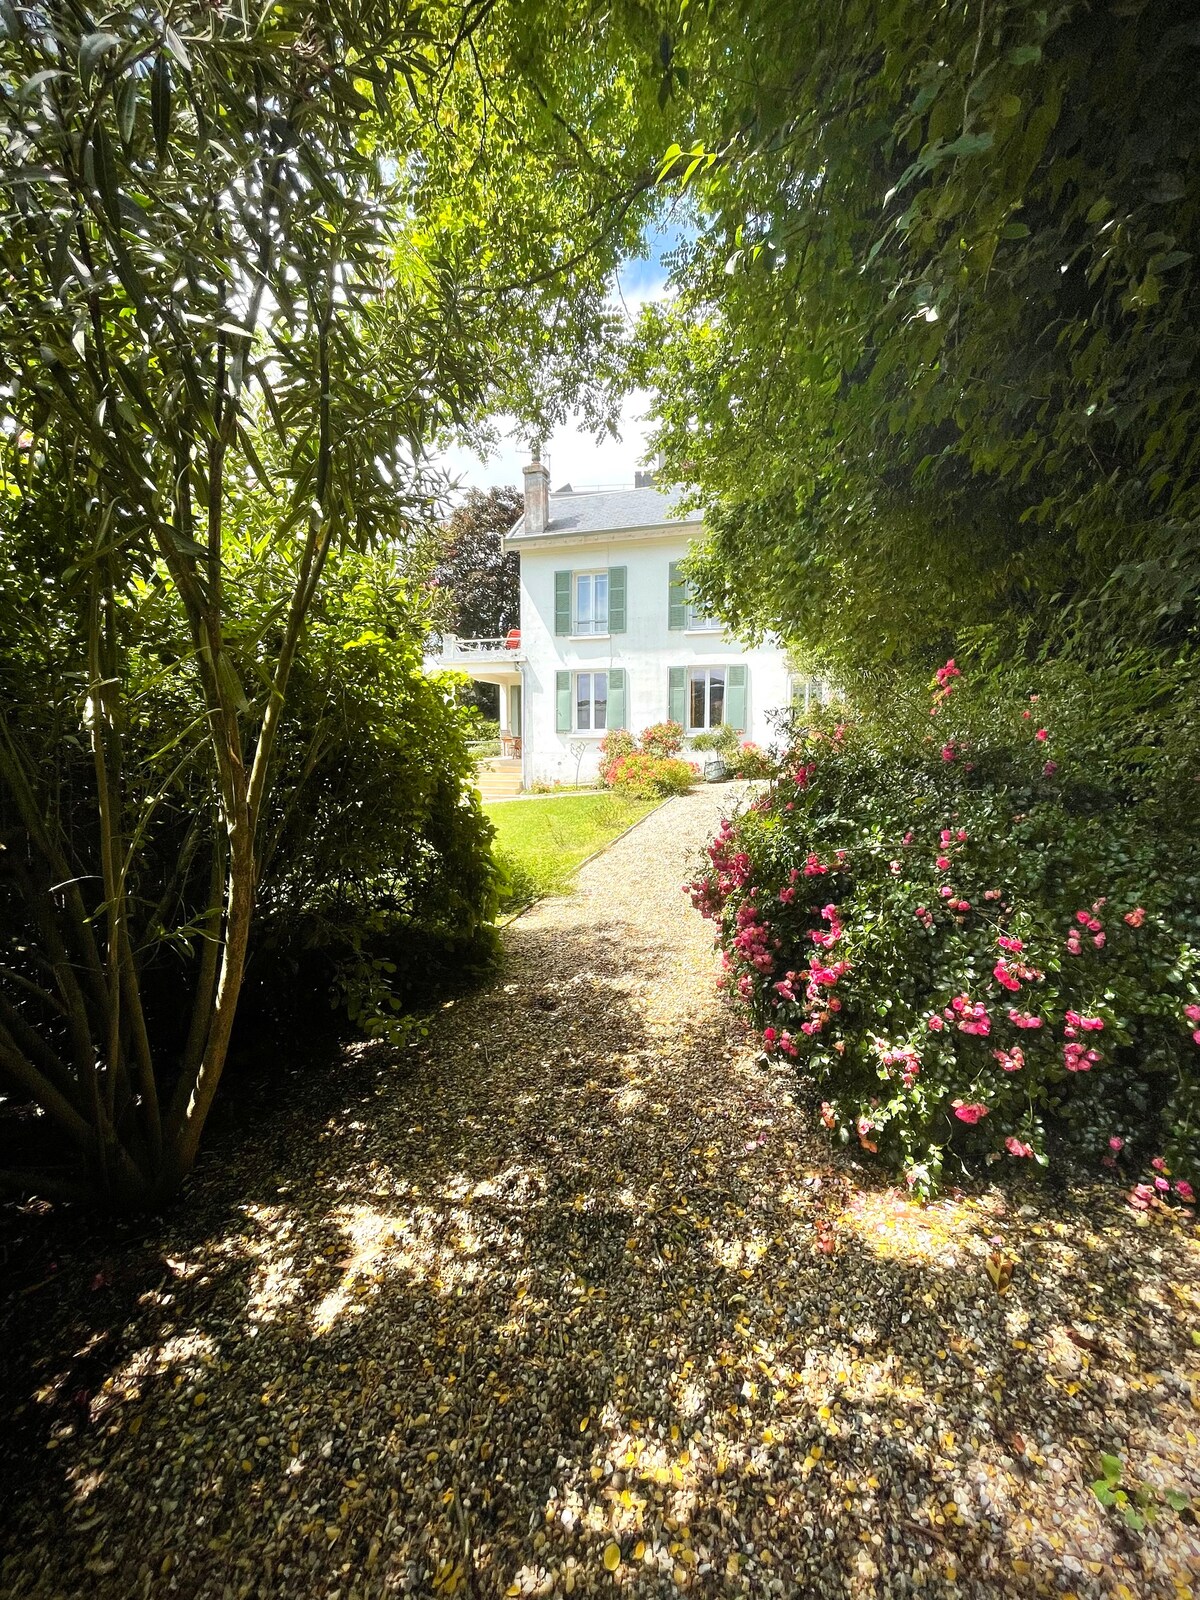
[
  {"x": 676, "y": 599},
  {"x": 616, "y": 698},
  {"x": 616, "y": 600},
  {"x": 562, "y": 702},
  {"x": 562, "y": 602},
  {"x": 735, "y": 698},
  {"x": 677, "y": 694}
]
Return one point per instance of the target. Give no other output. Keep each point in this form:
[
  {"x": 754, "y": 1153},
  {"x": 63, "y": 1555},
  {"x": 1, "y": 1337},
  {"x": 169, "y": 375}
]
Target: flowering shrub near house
[
  {"x": 646, "y": 768},
  {"x": 616, "y": 744},
  {"x": 649, "y": 777},
  {"x": 663, "y": 738},
  {"x": 982, "y": 943},
  {"x": 748, "y": 760}
]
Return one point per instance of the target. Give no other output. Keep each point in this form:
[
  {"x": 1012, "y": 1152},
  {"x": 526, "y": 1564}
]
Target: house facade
[{"x": 609, "y": 637}]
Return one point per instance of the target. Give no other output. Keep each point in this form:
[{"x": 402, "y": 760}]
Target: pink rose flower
[
  {"x": 1024, "y": 1019},
  {"x": 1116, "y": 1142},
  {"x": 1042, "y": 734},
  {"x": 1016, "y": 1148},
  {"x": 1184, "y": 1190},
  {"x": 970, "y": 1112},
  {"x": 1136, "y": 917}
]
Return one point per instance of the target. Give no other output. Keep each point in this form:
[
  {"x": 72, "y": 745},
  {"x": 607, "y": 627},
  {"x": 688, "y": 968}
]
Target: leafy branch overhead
[{"x": 931, "y": 363}]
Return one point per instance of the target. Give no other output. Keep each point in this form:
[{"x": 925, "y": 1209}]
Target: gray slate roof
[{"x": 607, "y": 510}]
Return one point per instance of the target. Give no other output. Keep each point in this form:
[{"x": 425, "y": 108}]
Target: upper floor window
[
  {"x": 699, "y": 621},
  {"x": 591, "y": 603},
  {"x": 682, "y": 611}
]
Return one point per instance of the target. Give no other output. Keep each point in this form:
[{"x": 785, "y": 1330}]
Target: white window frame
[
  {"x": 581, "y": 629},
  {"x": 699, "y": 622},
  {"x": 816, "y": 692},
  {"x": 708, "y": 671},
  {"x": 591, "y": 675}
]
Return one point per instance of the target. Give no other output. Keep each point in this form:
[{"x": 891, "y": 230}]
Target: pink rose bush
[{"x": 972, "y": 954}]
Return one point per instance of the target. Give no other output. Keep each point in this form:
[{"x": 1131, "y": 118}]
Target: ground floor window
[
  {"x": 807, "y": 693},
  {"x": 706, "y": 698},
  {"x": 591, "y": 701}
]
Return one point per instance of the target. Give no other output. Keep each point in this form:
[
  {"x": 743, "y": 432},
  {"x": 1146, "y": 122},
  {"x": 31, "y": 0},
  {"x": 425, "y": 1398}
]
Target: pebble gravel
[{"x": 577, "y": 1299}]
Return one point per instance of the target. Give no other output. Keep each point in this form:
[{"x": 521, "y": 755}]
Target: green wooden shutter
[
  {"x": 616, "y": 601},
  {"x": 676, "y": 599},
  {"x": 562, "y": 602},
  {"x": 735, "y": 698},
  {"x": 562, "y": 702},
  {"x": 677, "y": 695},
  {"x": 616, "y": 698}
]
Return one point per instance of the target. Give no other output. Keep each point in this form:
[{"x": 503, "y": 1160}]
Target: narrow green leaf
[
  {"x": 125, "y": 98},
  {"x": 92, "y": 47},
  {"x": 177, "y": 48},
  {"x": 106, "y": 174},
  {"x": 160, "y": 104}
]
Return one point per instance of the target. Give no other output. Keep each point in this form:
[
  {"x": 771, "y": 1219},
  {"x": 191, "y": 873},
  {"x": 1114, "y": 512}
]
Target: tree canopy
[
  {"x": 477, "y": 587},
  {"x": 932, "y": 361},
  {"x": 254, "y": 263}
]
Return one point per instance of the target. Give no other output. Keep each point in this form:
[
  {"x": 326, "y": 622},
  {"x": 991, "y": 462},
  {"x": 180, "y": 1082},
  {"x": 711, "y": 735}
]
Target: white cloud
[{"x": 571, "y": 453}]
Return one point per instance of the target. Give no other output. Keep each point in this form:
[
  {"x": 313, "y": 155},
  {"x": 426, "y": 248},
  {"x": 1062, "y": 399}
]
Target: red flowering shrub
[
  {"x": 971, "y": 955},
  {"x": 650, "y": 777},
  {"x": 616, "y": 744},
  {"x": 749, "y": 760},
  {"x": 663, "y": 739},
  {"x": 646, "y": 766}
]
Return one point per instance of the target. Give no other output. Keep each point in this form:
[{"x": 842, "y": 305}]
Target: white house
[{"x": 608, "y": 636}]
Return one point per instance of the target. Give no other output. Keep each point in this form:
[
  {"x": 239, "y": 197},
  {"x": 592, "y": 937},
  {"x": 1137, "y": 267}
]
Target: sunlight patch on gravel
[{"x": 578, "y": 1299}]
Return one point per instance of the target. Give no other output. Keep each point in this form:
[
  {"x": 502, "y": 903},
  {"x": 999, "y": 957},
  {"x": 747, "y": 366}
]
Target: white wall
[{"x": 646, "y": 651}]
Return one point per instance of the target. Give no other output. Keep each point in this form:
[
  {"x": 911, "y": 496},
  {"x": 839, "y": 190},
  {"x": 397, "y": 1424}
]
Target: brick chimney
[{"x": 537, "y": 493}]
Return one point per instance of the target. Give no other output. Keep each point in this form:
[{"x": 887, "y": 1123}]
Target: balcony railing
[{"x": 501, "y": 650}]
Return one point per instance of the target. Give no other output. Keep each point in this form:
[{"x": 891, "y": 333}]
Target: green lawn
[{"x": 539, "y": 843}]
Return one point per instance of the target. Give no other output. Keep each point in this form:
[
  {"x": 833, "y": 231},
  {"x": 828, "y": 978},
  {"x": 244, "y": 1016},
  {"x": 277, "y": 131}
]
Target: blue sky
[{"x": 571, "y": 453}]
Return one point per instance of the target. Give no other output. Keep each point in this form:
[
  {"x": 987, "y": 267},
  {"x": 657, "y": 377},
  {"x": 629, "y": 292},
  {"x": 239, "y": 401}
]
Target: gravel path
[{"x": 573, "y": 1300}]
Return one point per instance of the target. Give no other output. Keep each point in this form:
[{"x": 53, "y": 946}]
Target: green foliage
[
  {"x": 476, "y": 588},
  {"x": 988, "y": 942},
  {"x": 540, "y": 843},
  {"x": 749, "y": 760},
  {"x": 722, "y": 738},
  {"x": 378, "y": 842},
  {"x": 1139, "y": 1503},
  {"x": 931, "y": 361},
  {"x": 252, "y": 266}
]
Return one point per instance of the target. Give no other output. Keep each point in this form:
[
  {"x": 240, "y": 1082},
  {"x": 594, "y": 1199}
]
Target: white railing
[{"x": 455, "y": 649}]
